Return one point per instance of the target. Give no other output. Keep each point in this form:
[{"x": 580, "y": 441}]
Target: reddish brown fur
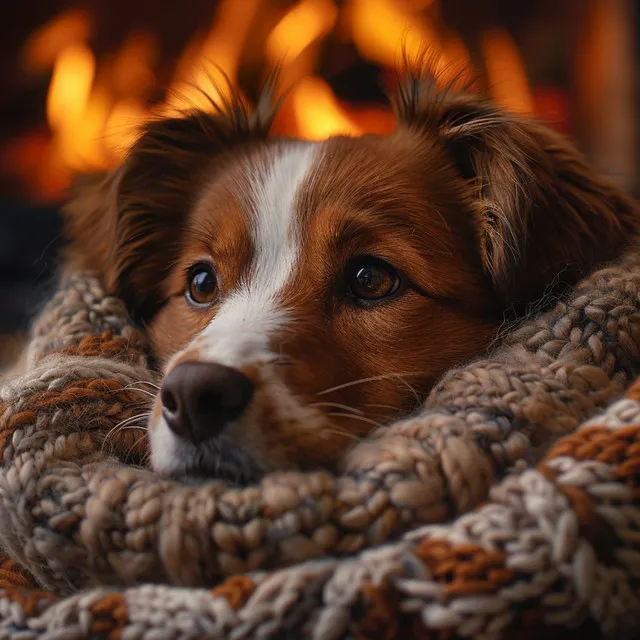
[{"x": 482, "y": 211}]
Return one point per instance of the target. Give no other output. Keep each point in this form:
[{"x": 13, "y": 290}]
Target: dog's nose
[{"x": 200, "y": 398}]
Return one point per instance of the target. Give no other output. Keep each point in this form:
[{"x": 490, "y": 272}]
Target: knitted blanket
[{"x": 507, "y": 508}]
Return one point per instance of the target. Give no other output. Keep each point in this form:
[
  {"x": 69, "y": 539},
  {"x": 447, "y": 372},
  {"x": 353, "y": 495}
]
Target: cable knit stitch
[{"x": 97, "y": 546}]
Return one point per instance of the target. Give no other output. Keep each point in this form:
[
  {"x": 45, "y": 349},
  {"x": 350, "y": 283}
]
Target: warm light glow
[
  {"x": 455, "y": 60},
  {"x": 205, "y": 84},
  {"x": 121, "y": 129},
  {"x": 47, "y": 43},
  {"x": 77, "y": 112},
  {"x": 318, "y": 113},
  {"x": 383, "y": 28},
  {"x": 218, "y": 56},
  {"x": 506, "y": 72},
  {"x": 419, "y": 5},
  {"x": 70, "y": 86},
  {"x": 308, "y": 21},
  {"x": 95, "y": 108},
  {"x": 132, "y": 73},
  {"x": 79, "y": 140}
]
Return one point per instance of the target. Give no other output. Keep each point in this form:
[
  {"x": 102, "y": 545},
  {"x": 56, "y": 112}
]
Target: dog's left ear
[
  {"x": 543, "y": 216},
  {"x": 127, "y": 225}
]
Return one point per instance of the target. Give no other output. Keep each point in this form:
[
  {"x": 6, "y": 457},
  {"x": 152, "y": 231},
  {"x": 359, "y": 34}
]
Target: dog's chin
[
  {"x": 217, "y": 459},
  {"x": 239, "y": 476}
]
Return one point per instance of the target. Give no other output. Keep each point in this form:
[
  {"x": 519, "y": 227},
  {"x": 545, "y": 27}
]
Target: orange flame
[
  {"x": 75, "y": 113},
  {"x": 318, "y": 114},
  {"x": 70, "y": 86},
  {"x": 506, "y": 72},
  {"x": 207, "y": 65},
  {"x": 383, "y": 28},
  {"x": 47, "y": 43},
  {"x": 132, "y": 72},
  {"x": 121, "y": 127},
  {"x": 90, "y": 131},
  {"x": 94, "y": 115},
  {"x": 307, "y": 22},
  {"x": 95, "y": 108}
]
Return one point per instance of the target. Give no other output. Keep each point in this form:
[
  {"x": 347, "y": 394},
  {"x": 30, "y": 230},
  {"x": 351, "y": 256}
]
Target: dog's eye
[
  {"x": 370, "y": 279},
  {"x": 202, "y": 285}
]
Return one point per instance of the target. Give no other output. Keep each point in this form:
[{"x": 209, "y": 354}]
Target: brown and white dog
[{"x": 296, "y": 294}]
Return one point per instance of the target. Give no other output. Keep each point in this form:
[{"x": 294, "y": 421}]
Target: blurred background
[{"x": 79, "y": 77}]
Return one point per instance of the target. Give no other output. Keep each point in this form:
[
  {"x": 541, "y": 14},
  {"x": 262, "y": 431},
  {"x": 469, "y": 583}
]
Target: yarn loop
[{"x": 507, "y": 507}]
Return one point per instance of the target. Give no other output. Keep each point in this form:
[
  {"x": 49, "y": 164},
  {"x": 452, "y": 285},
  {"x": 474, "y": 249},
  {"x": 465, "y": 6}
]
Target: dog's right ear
[
  {"x": 126, "y": 225},
  {"x": 543, "y": 217},
  {"x": 90, "y": 220}
]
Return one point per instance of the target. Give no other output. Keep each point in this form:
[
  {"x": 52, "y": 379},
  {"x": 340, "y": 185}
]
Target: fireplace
[{"x": 78, "y": 80}]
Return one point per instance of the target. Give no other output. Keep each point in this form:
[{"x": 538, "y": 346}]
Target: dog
[{"x": 298, "y": 294}]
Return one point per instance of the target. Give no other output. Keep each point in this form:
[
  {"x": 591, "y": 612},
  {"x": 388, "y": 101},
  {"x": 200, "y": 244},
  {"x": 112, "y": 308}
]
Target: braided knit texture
[{"x": 508, "y": 507}]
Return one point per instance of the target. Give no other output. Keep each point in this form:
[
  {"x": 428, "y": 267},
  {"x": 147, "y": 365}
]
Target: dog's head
[{"x": 296, "y": 294}]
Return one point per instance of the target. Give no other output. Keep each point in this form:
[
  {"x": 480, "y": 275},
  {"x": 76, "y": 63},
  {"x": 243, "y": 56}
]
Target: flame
[
  {"x": 70, "y": 86},
  {"x": 132, "y": 72},
  {"x": 90, "y": 131},
  {"x": 385, "y": 29},
  {"x": 78, "y": 141},
  {"x": 382, "y": 28},
  {"x": 95, "y": 108},
  {"x": 95, "y": 114},
  {"x": 506, "y": 72},
  {"x": 213, "y": 63},
  {"x": 123, "y": 124},
  {"x": 47, "y": 43},
  {"x": 318, "y": 113},
  {"x": 307, "y": 22},
  {"x": 455, "y": 59}
]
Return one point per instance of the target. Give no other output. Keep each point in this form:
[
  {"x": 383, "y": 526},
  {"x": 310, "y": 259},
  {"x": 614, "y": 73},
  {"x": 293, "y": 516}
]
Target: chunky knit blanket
[{"x": 509, "y": 507}]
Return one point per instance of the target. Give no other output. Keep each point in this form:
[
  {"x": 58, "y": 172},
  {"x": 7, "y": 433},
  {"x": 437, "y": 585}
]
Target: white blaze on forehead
[{"x": 240, "y": 331}]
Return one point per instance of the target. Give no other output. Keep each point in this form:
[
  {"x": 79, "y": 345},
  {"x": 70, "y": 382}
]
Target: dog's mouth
[{"x": 218, "y": 459}]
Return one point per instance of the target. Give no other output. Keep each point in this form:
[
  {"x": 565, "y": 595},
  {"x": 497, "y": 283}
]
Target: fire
[
  {"x": 505, "y": 71},
  {"x": 95, "y": 107},
  {"x": 305, "y": 23},
  {"x": 211, "y": 64},
  {"x": 70, "y": 86},
  {"x": 318, "y": 113},
  {"x": 382, "y": 28},
  {"x": 122, "y": 125},
  {"x": 74, "y": 114},
  {"x": 47, "y": 43},
  {"x": 91, "y": 129},
  {"x": 132, "y": 72}
]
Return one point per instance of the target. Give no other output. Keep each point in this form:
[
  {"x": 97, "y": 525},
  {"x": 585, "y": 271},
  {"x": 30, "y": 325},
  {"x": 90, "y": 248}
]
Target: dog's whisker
[
  {"x": 412, "y": 389},
  {"x": 145, "y": 460},
  {"x": 364, "y": 380},
  {"x": 124, "y": 425},
  {"x": 142, "y": 404},
  {"x": 357, "y": 417},
  {"x": 121, "y": 429},
  {"x": 135, "y": 444},
  {"x": 138, "y": 416},
  {"x": 147, "y": 382},
  {"x": 380, "y": 406},
  {"x": 339, "y": 432},
  {"x": 132, "y": 427},
  {"x": 134, "y": 385},
  {"x": 337, "y": 405},
  {"x": 130, "y": 387}
]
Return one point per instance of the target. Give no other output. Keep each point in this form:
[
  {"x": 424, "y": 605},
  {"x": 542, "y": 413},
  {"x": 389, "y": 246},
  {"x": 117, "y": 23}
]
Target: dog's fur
[{"x": 480, "y": 212}]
